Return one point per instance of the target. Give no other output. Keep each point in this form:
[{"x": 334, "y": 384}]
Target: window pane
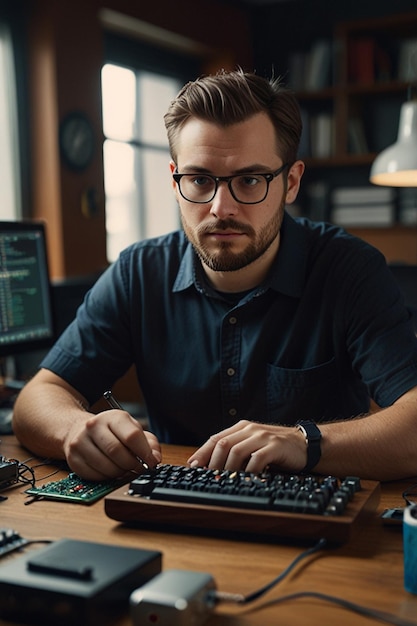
[
  {"x": 122, "y": 197},
  {"x": 155, "y": 92},
  {"x": 139, "y": 198},
  {"x": 10, "y": 197},
  {"x": 119, "y": 102},
  {"x": 162, "y": 214}
]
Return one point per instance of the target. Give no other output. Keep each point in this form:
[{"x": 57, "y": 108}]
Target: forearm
[
  {"x": 380, "y": 446},
  {"x": 51, "y": 419},
  {"x": 44, "y": 412}
]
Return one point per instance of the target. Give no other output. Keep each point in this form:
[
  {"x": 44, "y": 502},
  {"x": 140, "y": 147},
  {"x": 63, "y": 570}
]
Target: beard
[{"x": 222, "y": 258}]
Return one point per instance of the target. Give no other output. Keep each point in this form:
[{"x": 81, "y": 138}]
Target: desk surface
[{"x": 367, "y": 571}]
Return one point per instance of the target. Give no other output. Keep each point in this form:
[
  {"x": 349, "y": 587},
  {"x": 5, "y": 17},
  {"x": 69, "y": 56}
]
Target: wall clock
[{"x": 76, "y": 140}]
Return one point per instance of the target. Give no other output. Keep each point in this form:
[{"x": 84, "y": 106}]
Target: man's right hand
[
  {"x": 51, "y": 419},
  {"x": 110, "y": 445}
]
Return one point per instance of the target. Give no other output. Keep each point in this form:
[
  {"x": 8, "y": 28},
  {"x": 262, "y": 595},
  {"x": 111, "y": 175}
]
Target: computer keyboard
[
  {"x": 279, "y": 492},
  {"x": 269, "y": 503}
]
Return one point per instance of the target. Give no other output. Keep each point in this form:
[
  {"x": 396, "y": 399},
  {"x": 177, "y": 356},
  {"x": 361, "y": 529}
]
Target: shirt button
[
  {"x": 232, "y": 320},
  {"x": 232, "y": 412},
  {"x": 231, "y": 371}
]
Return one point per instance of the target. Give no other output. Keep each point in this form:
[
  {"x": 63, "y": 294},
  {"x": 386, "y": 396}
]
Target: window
[
  {"x": 10, "y": 195},
  {"x": 139, "y": 80},
  {"x": 139, "y": 197}
]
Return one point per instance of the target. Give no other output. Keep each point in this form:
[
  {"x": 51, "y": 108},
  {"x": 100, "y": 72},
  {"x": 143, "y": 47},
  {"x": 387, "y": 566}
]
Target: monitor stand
[
  {"x": 9, "y": 388},
  {"x": 9, "y": 384}
]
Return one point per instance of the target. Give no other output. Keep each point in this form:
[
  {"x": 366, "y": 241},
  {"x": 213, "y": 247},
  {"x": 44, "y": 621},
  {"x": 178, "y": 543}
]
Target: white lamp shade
[{"x": 396, "y": 166}]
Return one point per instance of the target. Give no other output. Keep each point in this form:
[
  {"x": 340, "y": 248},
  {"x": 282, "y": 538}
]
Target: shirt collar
[
  {"x": 287, "y": 273},
  {"x": 186, "y": 273}
]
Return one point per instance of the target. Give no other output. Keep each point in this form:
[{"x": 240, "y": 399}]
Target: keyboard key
[{"x": 208, "y": 498}]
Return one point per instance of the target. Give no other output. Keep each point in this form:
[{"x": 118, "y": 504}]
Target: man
[{"x": 241, "y": 324}]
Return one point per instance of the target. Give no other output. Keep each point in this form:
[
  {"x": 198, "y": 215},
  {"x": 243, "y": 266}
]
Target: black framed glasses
[{"x": 245, "y": 188}]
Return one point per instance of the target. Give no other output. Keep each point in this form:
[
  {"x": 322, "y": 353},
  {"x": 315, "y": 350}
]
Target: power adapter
[
  {"x": 73, "y": 582},
  {"x": 174, "y": 598},
  {"x": 9, "y": 472}
]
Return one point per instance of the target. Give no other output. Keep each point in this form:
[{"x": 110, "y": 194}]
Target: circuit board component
[{"x": 72, "y": 488}]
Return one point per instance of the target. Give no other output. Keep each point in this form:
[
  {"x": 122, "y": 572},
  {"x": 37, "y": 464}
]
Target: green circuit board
[{"x": 74, "y": 489}]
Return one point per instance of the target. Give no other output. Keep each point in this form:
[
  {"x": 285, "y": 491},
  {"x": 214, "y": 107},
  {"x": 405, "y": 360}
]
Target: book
[
  {"x": 361, "y": 60},
  {"x": 321, "y": 135},
  {"x": 297, "y": 70},
  {"x": 407, "y": 61},
  {"x": 364, "y": 205},
  {"x": 364, "y": 215},
  {"x": 318, "y": 67},
  {"x": 408, "y": 216},
  {"x": 363, "y": 195}
]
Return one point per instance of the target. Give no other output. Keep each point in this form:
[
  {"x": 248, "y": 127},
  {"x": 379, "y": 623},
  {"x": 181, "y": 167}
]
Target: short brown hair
[{"x": 228, "y": 98}]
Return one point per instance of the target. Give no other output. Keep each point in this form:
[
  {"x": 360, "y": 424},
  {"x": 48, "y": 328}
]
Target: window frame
[
  {"x": 12, "y": 22},
  {"x": 141, "y": 57}
]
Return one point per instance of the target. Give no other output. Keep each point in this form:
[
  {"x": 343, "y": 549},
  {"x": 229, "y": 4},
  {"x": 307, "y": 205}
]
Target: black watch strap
[{"x": 313, "y": 437}]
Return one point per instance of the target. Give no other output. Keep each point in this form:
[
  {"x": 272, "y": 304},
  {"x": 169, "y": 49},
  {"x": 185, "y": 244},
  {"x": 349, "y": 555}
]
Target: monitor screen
[{"x": 26, "y": 318}]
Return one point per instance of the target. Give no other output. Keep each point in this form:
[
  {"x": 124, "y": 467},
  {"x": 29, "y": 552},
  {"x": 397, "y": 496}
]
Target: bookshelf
[{"x": 363, "y": 72}]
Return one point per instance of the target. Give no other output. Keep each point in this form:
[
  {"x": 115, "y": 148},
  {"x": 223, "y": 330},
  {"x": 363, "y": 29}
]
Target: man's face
[{"x": 226, "y": 234}]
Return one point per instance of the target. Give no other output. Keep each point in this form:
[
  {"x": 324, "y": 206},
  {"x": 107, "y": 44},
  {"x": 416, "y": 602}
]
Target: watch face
[{"x": 76, "y": 141}]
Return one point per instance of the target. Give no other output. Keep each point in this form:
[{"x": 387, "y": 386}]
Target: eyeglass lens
[{"x": 248, "y": 189}]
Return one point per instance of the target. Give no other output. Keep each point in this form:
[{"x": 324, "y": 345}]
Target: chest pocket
[{"x": 294, "y": 394}]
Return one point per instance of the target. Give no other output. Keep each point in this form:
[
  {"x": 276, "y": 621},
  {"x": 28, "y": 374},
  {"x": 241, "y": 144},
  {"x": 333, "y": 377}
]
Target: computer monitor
[{"x": 26, "y": 315}]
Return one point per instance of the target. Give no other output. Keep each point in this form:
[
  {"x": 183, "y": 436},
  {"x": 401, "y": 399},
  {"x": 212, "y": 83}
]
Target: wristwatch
[{"x": 313, "y": 437}]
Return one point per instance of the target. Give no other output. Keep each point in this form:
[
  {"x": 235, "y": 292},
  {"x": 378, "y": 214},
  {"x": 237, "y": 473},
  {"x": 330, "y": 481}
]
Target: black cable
[
  {"x": 346, "y": 604},
  {"x": 240, "y": 599},
  {"x": 387, "y": 618},
  {"x": 410, "y": 492},
  {"x": 26, "y": 475}
]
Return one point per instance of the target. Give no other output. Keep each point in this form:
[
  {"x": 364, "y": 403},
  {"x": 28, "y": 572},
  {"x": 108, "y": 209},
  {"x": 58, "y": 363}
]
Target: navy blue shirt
[{"x": 327, "y": 330}]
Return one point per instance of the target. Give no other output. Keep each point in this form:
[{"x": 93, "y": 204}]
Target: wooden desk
[{"x": 367, "y": 570}]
